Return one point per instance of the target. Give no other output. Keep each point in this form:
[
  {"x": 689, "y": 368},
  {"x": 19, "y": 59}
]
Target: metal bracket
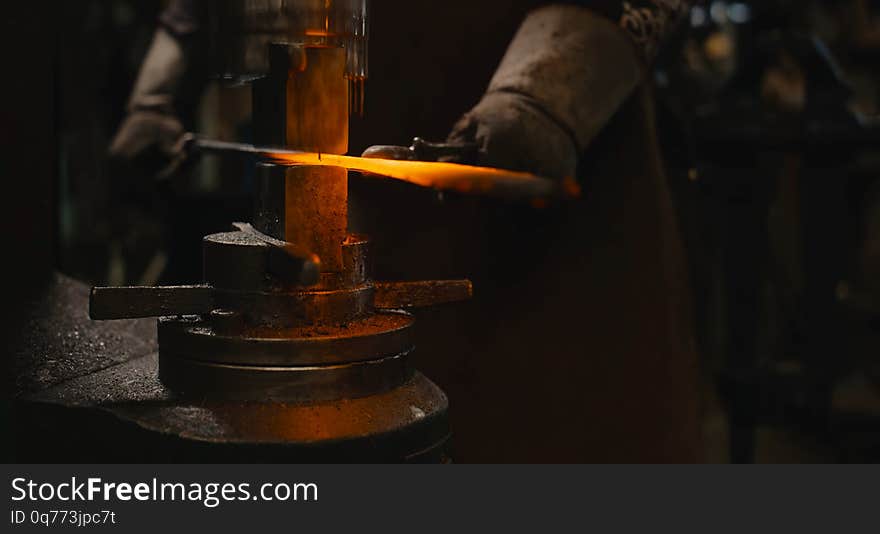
[{"x": 393, "y": 295}]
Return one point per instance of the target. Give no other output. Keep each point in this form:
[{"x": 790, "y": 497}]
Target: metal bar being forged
[{"x": 468, "y": 179}]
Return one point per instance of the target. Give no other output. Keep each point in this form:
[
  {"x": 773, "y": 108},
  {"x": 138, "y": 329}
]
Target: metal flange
[{"x": 371, "y": 338}]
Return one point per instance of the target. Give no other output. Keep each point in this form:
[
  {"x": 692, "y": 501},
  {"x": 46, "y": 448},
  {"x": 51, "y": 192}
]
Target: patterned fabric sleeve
[{"x": 648, "y": 22}]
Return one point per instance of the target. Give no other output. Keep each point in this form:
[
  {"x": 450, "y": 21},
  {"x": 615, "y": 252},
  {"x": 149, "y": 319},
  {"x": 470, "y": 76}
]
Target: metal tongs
[{"x": 422, "y": 150}]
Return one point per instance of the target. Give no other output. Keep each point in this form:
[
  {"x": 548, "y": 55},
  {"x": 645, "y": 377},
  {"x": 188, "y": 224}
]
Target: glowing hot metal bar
[{"x": 438, "y": 175}]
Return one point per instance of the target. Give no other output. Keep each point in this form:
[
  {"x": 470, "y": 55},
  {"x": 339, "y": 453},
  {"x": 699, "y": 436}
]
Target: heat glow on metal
[{"x": 467, "y": 179}]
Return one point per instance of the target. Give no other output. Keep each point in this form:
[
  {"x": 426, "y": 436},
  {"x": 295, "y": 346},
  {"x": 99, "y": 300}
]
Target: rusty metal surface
[
  {"x": 124, "y": 413},
  {"x": 57, "y": 342},
  {"x": 306, "y": 206},
  {"x": 287, "y": 261},
  {"x": 355, "y": 265},
  {"x": 317, "y": 102},
  {"x": 241, "y": 260},
  {"x": 420, "y": 293},
  {"x": 250, "y": 260},
  {"x": 134, "y": 302},
  {"x": 316, "y": 211},
  {"x": 304, "y": 106},
  {"x": 236, "y": 261},
  {"x": 94, "y": 387}
]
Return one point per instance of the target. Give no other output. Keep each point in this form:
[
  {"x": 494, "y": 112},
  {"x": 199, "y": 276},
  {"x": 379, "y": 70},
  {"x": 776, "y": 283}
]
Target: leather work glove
[
  {"x": 564, "y": 75},
  {"x": 149, "y": 139}
]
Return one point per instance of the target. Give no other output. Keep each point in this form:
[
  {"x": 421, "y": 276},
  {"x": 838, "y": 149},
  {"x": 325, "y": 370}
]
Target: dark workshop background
[{"x": 766, "y": 112}]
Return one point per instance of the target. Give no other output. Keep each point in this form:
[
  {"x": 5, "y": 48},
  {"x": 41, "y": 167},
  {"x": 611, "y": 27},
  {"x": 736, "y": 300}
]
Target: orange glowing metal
[
  {"x": 468, "y": 179},
  {"x": 319, "y": 33},
  {"x": 437, "y": 175}
]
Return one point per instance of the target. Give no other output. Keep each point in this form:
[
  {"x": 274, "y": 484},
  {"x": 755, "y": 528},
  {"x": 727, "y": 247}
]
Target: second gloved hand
[
  {"x": 512, "y": 131},
  {"x": 564, "y": 75},
  {"x": 148, "y": 142}
]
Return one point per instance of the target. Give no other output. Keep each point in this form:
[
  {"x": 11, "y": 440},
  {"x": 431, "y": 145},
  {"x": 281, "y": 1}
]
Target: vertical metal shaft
[{"x": 303, "y": 104}]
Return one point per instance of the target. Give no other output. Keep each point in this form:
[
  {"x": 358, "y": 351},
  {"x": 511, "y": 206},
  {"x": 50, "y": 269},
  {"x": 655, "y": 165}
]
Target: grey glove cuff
[
  {"x": 160, "y": 75},
  {"x": 576, "y": 65},
  {"x": 513, "y": 132}
]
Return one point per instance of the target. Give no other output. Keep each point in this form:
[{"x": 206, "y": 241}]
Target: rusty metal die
[
  {"x": 287, "y": 262},
  {"x": 243, "y": 261},
  {"x": 235, "y": 260},
  {"x": 374, "y": 337}
]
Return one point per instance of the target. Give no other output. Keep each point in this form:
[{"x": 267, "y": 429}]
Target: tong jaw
[{"x": 422, "y": 150}]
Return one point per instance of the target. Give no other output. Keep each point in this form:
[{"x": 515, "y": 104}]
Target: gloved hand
[
  {"x": 563, "y": 76},
  {"x": 149, "y": 139}
]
